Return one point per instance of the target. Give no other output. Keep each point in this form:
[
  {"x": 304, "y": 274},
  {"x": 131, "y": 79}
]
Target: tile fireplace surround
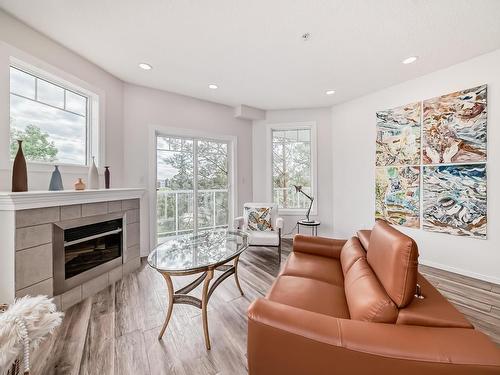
[{"x": 26, "y": 235}]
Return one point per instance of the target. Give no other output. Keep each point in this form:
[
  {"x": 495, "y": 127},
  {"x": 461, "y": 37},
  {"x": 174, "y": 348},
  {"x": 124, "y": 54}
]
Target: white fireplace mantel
[{"x": 38, "y": 199}]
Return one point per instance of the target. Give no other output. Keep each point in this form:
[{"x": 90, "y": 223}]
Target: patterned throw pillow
[{"x": 259, "y": 218}]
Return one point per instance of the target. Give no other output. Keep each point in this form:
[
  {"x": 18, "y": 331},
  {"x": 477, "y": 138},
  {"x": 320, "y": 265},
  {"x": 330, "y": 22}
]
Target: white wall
[
  {"x": 27, "y": 44},
  {"x": 145, "y": 107},
  {"x": 261, "y": 193},
  {"x": 353, "y": 147},
  {"x": 127, "y": 112}
]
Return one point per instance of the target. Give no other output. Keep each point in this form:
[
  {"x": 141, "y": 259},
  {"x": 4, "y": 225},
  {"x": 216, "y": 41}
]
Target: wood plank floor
[
  {"x": 115, "y": 331},
  {"x": 476, "y": 299}
]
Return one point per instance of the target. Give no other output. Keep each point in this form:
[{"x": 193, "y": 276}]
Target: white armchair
[{"x": 262, "y": 237}]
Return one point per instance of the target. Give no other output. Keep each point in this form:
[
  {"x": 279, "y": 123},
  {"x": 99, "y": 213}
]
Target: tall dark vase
[
  {"x": 106, "y": 177},
  {"x": 19, "y": 171}
]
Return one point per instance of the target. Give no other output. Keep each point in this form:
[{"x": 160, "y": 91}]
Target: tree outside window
[
  {"x": 51, "y": 120},
  {"x": 291, "y": 165}
]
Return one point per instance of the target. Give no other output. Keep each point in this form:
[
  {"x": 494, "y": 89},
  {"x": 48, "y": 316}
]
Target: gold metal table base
[{"x": 181, "y": 296}]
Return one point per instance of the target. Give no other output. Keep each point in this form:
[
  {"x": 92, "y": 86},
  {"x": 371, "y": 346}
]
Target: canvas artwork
[
  {"x": 454, "y": 127},
  {"x": 455, "y": 199},
  {"x": 397, "y": 195},
  {"x": 398, "y": 135}
]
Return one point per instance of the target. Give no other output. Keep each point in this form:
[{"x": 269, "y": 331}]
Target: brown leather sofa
[{"x": 352, "y": 307}]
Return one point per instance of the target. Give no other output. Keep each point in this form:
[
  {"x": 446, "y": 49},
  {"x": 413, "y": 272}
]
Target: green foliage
[
  {"x": 212, "y": 174},
  {"x": 291, "y": 166},
  {"x": 36, "y": 145}
]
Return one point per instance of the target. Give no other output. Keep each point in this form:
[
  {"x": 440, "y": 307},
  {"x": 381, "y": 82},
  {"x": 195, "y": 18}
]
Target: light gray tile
[
  {"x": 115, "y": 274},
  {"x": 33, "y": 236},
  {"x": 114, "y": 206},
  {"x": 133, "y": 216},
  {"x": 33, "y": 265},
  {"x": 131, "y": 265},
  {"x": 71, "y": 212},
  {"x": 130, "y": 204},
  {"x": 71, "y": 297},
  {"x": 44, "y": 288},
  {"x": 36, "y": 216},
  {"x": 130, "y": 253},
  {"x": 92, "y": 209},
  {"x": 95, "y": 285},
  {"x": 133, "y": 234}
]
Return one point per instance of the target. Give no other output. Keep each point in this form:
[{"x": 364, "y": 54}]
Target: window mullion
[{"x": 195, "y": 185}]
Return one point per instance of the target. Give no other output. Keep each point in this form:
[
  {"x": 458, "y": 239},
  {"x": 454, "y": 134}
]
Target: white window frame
[
  {"x": 95, "y": 126},
  {"x": 155, "y": 131},
  {"x": 269, "y": 164}
]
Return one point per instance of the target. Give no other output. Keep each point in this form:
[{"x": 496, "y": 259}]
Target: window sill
[{"x": 40, "y": 167}]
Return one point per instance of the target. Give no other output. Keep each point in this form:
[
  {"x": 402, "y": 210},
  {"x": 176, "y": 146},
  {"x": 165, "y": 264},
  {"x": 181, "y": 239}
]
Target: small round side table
[{"x": 312, "y": 224}]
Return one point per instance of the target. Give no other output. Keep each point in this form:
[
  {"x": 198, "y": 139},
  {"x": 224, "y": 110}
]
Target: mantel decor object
[
  {"x": 298, "y": 189},
  {"x": 93, "y": 178},
  {"x": 56, "y": 183},
  {"x": 79, "y": 185},
  {"x": 19, "y": 171},
  {"x": 107, "y": 177}
]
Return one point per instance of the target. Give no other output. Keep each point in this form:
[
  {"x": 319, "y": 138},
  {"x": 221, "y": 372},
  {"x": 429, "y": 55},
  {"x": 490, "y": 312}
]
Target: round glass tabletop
[{"x": 193, "y": 252}]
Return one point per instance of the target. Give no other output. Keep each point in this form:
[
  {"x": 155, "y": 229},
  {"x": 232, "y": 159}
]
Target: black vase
[
  {"x": 19, "y": 171},
  {"x": 106, "y": 177}
]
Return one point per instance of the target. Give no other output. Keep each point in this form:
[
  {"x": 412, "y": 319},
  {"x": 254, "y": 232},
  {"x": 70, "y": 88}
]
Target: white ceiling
[{"x": 253, "y": 49}]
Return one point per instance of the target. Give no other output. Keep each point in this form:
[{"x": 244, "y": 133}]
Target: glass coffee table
[{"x": 202, "y": 253}]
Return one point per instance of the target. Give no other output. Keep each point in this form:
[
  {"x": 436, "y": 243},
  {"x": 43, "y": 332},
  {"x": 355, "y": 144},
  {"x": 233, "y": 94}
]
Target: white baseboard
[{"x": 474, "y": 275}]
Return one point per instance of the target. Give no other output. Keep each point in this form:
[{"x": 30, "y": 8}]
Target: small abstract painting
[
  {"x": 455, "y": 199},
  {"x": 397, "y": 195},
  {"x": 454, "y": 127},
  {"x": 398, "y": 135}
]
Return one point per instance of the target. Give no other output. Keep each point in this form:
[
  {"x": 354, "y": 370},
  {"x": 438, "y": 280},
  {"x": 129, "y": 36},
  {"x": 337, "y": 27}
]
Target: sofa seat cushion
[
  {"x": 263, "y": 238},
  {"x": 433, "y": 310},
  {"x": 310, "y": 295},
  {"x": 314, "y": 267}
]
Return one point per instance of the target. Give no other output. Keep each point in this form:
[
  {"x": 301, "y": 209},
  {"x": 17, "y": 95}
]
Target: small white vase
[{"x": 93, "y": 180}]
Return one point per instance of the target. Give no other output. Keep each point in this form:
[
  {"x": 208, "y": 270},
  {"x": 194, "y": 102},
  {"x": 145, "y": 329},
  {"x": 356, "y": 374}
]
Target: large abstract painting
[
  {"x": 455, "y": 199},
  {"x": 398, "y": 135},
  {"x": 397, "y": 195},
  {"x": 454, "y": 127}
]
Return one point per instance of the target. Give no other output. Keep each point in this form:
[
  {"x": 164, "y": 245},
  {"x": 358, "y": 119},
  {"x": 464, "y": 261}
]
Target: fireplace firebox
[{"x": 86, "y": 248}]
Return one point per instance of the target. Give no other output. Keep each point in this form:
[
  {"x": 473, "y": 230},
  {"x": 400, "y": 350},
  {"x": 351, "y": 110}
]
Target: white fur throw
[{"x": 37, "y": 315}]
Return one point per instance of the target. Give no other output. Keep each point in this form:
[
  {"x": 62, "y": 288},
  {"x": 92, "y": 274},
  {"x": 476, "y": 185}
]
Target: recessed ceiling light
[
  {"x": 306, "y": 36},
  {"x": 330, "y": 92},
  {"x": 213, "y": 86},
  {"x": 145, "y": 66},
  {"x": 410, "y": 60}
]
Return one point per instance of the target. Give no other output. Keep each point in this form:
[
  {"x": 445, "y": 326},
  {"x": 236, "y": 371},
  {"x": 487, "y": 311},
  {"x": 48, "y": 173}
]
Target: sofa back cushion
[
  {"x": 393, "y": 256},
  {"x": 364, "y": 237},
  {"x": 351, "y": 252},
  {"x": 366, "y": 298}
]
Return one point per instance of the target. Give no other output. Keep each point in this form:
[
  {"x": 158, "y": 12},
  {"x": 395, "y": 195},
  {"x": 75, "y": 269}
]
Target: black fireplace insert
[{"x": 89, "y": 246}]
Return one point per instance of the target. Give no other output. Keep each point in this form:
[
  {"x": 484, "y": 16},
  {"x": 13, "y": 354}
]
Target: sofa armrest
[
  {"x": 326, "y": 247},
  {"x": 239, "y": 222},
  {"x": 287, "y": 340}
]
